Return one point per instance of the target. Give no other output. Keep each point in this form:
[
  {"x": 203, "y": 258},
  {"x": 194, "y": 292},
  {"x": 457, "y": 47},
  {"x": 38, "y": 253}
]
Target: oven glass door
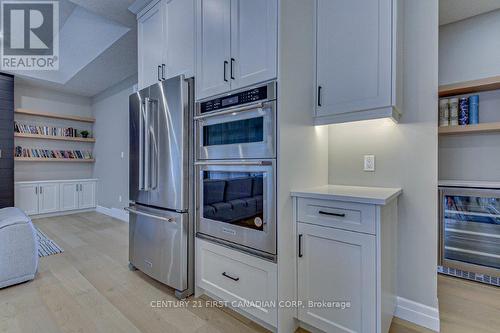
[
  {"x": 471, "y": 228},
  {"x": 236, "y": 204},
  {"x": 238, "y": 134}
]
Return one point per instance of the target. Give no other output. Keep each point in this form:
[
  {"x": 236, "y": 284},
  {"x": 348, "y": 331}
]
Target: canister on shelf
[
  {"x": 463, "y": 113},
  {"x": 444, "y": 112},
  {"x": 474, "y": 109},
  {"x": 454, "y": 111}
]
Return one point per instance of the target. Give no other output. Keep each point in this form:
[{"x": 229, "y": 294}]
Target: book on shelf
[
  {"x": 49, "y": 153},
  {"x": 69, "y": 132}
]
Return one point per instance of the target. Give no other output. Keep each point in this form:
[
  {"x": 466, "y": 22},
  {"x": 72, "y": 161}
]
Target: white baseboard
[
  {"x": 417, "y": 313},
  {"x": 117, "y": 213}
]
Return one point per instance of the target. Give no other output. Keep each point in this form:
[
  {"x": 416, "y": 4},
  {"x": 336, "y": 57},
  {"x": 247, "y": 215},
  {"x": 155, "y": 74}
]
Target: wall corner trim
[
  {"x": 116, "y": 213},
  {"x": 417, "y": 313}
]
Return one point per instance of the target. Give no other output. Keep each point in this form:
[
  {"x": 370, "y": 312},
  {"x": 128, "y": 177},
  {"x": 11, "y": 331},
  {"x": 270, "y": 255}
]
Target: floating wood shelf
[
  {"x": 38, "y": 159},
  {"x": 53, "y": 137},
  {"x": 479, "y": 128},
  {"x": 467, "y": 87},
  {"x": 55, "y": 116}
]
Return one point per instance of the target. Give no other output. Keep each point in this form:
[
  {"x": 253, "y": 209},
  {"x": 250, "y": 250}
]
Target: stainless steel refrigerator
[{"x": 161, "y": 183}]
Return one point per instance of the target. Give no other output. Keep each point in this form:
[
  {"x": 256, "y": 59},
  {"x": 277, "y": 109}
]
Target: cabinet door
[
  {"x": 338, "y": 266},
  {"x": 213, "y": 40},
  {"x": 48, "y": 198},
  {"x": 150, "y": 45},
  {"x": 87, "y": 195},
  {"x": 179, "y": 43},
  {"x": 354, "y": 55},
  {"x": 68, "y": 196},
  {"x": 254, "y": 33},
  {"x": 26, "y": 198}
]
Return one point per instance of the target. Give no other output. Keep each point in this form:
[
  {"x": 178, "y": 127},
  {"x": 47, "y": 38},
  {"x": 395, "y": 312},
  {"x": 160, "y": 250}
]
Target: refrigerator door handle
[
  {"x": 153, "y": 132},
  {"x": 146, "y": 147},
  {"x": 136, "y": 212},
  {"x": 141, "y": 145}
]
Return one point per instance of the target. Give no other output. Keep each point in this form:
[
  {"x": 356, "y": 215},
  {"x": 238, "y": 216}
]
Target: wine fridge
[{"x": 470, "y": 231}]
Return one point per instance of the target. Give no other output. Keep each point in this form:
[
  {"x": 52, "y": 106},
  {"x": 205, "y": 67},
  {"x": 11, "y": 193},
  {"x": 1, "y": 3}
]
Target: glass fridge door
[{"x": 471, "y": 229}]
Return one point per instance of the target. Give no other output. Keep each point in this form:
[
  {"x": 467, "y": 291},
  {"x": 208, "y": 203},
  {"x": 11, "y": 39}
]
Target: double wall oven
[{"x": 236, "y": 169}]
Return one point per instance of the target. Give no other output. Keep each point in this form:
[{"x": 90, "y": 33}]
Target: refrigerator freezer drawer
[{"x": 158, "y": 244}]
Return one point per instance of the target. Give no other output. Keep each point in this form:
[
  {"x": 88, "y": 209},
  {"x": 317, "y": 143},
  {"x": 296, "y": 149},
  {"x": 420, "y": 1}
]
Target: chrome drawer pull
[
  {"x": 230, "y": 277},
  {"x": 332, "y": 214}
]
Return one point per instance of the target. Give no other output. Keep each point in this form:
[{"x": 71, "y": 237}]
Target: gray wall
[
  {"x": 110, "y": 109},
  {"x": 470, "y": 49},
  {"x": 406, "y": 155},
  {"x": 46, "y": 100}
]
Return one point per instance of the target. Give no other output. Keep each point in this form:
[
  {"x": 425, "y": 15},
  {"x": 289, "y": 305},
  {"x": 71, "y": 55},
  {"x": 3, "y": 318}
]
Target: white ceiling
[
  {"x": 98, "y": 47},
  {"x": 456, "y": 10}
]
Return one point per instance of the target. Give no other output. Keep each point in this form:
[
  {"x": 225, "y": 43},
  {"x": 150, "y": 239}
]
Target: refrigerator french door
[
  {"x": 160, "y": 183},
  {"x": 470, "y": 229}
]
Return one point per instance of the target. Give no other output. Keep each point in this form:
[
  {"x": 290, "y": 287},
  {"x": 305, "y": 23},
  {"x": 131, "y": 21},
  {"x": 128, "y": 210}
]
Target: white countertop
[
  {"x": 359, "y": 194},
  {"x": 57, "y": 181},
  {"x": 469, "y": 183}
]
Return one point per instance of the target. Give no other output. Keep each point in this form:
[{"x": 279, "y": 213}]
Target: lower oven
[
  {"x": 236, "y": 204},
  {"x": 470, "y": 230}
]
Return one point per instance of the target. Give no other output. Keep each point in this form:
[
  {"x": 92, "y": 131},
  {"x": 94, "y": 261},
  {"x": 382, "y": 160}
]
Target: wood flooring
[{"x": 89, "y": 288}]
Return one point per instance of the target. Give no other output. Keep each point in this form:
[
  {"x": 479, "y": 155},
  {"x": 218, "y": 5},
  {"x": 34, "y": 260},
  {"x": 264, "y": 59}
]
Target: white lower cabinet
[
  {"x": 26, "y": 198},
  {"x": 336, "y": 266},
  {"x": 48, "y": 198},
  {"x": 346, "y": 260},
  {"x": 44, "y": 197},
  {"x": 246, "y": 283}
]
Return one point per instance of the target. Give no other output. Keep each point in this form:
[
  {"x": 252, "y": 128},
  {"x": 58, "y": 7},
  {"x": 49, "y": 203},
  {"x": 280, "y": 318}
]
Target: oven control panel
[{"x": 244, "y": 97}]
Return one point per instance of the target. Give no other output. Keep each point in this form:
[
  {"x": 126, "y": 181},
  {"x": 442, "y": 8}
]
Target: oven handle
[
  {"x": 258, "y": 163},
  {"x": 243, "y": 108}
]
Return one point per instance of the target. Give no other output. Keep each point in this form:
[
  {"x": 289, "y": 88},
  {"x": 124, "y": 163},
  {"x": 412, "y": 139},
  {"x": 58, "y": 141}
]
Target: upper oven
[{"x": 241, "y": 125}]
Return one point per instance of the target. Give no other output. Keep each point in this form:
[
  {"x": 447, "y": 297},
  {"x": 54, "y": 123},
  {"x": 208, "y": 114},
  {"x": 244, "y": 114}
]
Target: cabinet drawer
[
  {"x": 238, "y": 279},
  {"x": 338, "y": 214}
]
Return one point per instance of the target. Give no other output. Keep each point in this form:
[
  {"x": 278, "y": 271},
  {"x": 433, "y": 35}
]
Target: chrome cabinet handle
[
  {"x": 36, "y": 189},
  {"x": 225, "y": 69},
  {"x": 158, "y": 73},
  {"x": 231, "y": 69},
  {"x": 319, "y": 95},
  {"x": 230, "y": 277},
  {"x": 77, "y": 187},
  {"x": 163, "y": 72},
  {"x": 136, "y": 212},
  {"x": 41, "y": 190}
]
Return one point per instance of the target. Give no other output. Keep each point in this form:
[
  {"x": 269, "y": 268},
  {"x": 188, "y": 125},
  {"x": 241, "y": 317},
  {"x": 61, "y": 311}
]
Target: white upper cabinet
[
  {"x": 236, "y": 44},
  {"x": 254, "y": 32},
  {"x": 165, "y": 41},
  {"x": 213, "y": 48},
  {"x": 358, "y": 52},
  {"x": 150, "y": 41},
  {"x": 179, "y": 43}
]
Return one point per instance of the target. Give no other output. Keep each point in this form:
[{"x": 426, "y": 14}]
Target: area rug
[{"x": 46, "y": 246}]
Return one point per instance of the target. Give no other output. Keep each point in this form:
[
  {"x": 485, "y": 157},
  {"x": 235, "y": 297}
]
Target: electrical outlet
[{"x": 369, "y": 163}]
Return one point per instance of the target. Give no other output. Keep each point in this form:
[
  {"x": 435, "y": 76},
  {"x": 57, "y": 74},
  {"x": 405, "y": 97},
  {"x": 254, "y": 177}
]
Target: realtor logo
[{"x": 30, "y": 35}]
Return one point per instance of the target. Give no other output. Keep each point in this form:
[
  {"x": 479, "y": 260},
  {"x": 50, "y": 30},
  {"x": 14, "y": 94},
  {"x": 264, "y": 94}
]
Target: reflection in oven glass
[
  {"x": 234, "y": 197},
  {"x": 234, "y": 132}
]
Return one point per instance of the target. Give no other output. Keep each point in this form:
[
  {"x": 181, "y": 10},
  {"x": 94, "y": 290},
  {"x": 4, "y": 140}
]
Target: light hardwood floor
[{"x": 89, "y": 288}]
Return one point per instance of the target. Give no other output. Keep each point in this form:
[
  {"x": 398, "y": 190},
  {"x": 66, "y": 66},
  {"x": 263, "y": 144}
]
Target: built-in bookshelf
[
  {"x": 470, "y": 87},
  {"x": 26, "y": 130}
]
